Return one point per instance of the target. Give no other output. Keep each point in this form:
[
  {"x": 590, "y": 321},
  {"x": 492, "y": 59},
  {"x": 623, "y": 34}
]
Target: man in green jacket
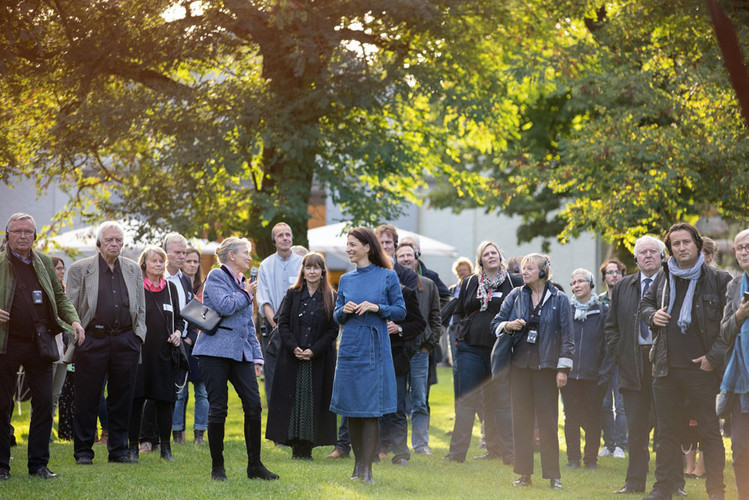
[{"x": 31, "y": 301}]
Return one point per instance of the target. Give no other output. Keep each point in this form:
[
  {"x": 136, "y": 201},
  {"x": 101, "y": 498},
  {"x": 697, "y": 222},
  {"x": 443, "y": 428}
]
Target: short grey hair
[
  {"x": 231, "y": 244},
  {"x": 19, "y": 216},
  {"x": 110, "y": 224},
  {"x": 742, "y": 234},
  {"x": 588, "y": 275},
  {"x": 415, "y": 240},
  {"x": 650, "y": 239},
  {"x": 173, "y": 238}
]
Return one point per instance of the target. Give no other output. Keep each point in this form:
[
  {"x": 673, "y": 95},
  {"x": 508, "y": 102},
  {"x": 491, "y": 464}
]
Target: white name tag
[
  {"x": 168, "y": 307},
  {"x": 292, "y": 280}
]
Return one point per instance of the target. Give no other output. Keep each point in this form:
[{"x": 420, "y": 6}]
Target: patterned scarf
[
  {"x": 581, "y": 310},
  {"x": 692, "y": 274},
  {"x": 488, "y": 285}
]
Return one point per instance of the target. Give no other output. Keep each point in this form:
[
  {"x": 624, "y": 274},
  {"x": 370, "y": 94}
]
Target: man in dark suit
[
  {"x": 684, "y": 308},
  {"x": 31, "y": 303},
  {"x": 107, "y": 291},
  {"x": 629, "y": 341}
]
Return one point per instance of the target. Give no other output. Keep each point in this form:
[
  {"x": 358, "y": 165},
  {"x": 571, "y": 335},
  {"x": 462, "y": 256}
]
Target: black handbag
[
  {"x": 179, "y": 357},
  {"x": 45, "y": 343},
  {"x": 201, "y": 316}
]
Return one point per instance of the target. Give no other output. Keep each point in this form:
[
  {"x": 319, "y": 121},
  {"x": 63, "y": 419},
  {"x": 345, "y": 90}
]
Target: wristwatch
[{"x": 400, "y": 331}]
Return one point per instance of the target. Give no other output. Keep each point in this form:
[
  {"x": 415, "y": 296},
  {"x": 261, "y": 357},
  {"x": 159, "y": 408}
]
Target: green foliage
[
  {"x": 626, "y": 121},
  {"x": 222, "y": 115}
]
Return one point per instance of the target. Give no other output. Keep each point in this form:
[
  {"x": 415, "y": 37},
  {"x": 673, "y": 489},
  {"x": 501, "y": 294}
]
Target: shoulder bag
[{"x": 201, "y": 316}]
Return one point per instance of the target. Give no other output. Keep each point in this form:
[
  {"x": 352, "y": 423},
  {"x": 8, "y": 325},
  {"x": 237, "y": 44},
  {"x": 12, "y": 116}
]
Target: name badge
[
  {"x": 292, "y": 280},
  {"x": 168, "y": 307}
]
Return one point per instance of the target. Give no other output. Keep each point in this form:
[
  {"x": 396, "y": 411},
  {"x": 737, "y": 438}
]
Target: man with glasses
[
  {"x": 31, "y": 303},
  {"x": 107, "y": 291},
  {"x": 614, "y": 418}
]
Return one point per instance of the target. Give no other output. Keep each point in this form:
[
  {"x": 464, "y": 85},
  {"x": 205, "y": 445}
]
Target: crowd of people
[{"x": 649, "y": 354}]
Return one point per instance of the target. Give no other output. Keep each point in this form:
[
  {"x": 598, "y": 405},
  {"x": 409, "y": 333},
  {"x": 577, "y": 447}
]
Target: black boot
[
  {"x": 166, "y": 451},
  {"x": 369, "y": 440},
  {"x": 216, "y": 445},
  {"x": 255, "y": 468},
  {"x": 132, "y": 452},
  {"x": 198, "y": 438},
  {"x": 355, "y": 429}
]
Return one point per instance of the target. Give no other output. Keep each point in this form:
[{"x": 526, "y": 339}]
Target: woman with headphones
[
  {"x": 590, "y": 374},
  {"x": 299, "y": 409},
  {"x": 540, "y": 315},
  {"x": 156, "y": 373},
  {"x": 480, "y": 298}
]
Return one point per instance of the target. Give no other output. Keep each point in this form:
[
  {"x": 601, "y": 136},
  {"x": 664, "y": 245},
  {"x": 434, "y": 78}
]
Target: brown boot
[
  {"x": 198, "y": 438},
  {"x": 178, "y": 437}
]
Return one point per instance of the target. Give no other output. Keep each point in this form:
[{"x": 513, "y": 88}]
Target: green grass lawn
[{"x": 425, "y": 477}]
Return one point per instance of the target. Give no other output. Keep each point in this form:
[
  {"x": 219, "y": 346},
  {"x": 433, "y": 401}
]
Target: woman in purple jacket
[{"x": 233, "y": 355}]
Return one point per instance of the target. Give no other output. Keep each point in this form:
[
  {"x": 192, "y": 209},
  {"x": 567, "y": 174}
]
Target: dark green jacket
[
  {"x": 62, "y": 310},
  {"x": 707, "y": 312}
]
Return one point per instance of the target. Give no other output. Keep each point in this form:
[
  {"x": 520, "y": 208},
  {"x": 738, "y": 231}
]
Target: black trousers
[
  {"x": 740, "y": 448},
  {"x": 217, "y": 372},
  {"x": 162, "y": 414},
  {"x": 582, "y": 402},
  {"x": 149, "y": 426},
  {"x": 116, "y": 358},
  {"x": 39, "y": 377},
  {"x": 639, "y": 408},
  {"x": 670, "y": 393},
  {"x": 535, "y": 393}
]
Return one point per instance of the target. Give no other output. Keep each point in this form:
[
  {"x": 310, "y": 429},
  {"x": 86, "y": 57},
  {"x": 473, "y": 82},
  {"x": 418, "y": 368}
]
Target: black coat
[
  {"x": 322, "y": 344},
  {"x": 623, "y": 331},
  {"x": 707, "y": 312},
  {"x": 405, "y": 345},
  {"x": 156, "y": 374}
]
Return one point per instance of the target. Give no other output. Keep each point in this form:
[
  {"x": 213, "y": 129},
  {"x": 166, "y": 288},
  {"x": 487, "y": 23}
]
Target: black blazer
[
  {"x": 403, "y": 347},
  {"x": 288, "y": 325}
]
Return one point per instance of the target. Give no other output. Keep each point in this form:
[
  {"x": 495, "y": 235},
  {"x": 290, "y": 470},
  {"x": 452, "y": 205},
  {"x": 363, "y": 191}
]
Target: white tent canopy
[
  {"x": 83, "y": 240},
  {"x": 331, "y": 239}
]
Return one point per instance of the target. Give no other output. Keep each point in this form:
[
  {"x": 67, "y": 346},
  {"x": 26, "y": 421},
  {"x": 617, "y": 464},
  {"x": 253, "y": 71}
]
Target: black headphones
[
  {"x": 143, "y": 265},
  {"x": 417, "y": 254},
  {"x": 6, "y": 231},
  {"x": 98, "y": 243},
  {"x": 543, "y": 273}
]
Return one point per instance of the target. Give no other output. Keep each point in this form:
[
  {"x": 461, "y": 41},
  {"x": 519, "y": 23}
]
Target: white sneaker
[
  {"x": 605, "y": 452},
  {"x": 618, "y": 453}
]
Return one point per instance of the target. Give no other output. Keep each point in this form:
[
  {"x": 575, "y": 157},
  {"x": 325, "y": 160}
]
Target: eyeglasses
[
  {"x": 613, "y": 273},
  {"x": 28, "y": 232},
  {"x": 742, "y": 248}
]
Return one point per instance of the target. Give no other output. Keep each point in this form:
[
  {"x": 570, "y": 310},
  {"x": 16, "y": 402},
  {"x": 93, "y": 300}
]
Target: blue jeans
[
  {"x": 344, "y": 440},
  {"x": 419, "y": 408},
  {"x": 200, "y": 419},
  {"x": 477, "y": 391},
  {"x": 394, "y": 426},
  {"x": 614, "y": 417}
]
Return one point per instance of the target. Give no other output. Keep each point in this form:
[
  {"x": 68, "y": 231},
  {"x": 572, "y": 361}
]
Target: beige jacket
[{"x": 83, "y": 291}]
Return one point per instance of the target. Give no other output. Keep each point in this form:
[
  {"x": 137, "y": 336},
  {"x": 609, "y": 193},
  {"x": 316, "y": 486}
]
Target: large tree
[
  {"x": 626, "y": 121},
  {"x": 218, "y": 117}
]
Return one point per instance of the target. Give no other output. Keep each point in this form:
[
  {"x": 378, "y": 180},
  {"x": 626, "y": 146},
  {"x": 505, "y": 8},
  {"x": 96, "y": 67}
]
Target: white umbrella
[{"x": 332, "y": 239}]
